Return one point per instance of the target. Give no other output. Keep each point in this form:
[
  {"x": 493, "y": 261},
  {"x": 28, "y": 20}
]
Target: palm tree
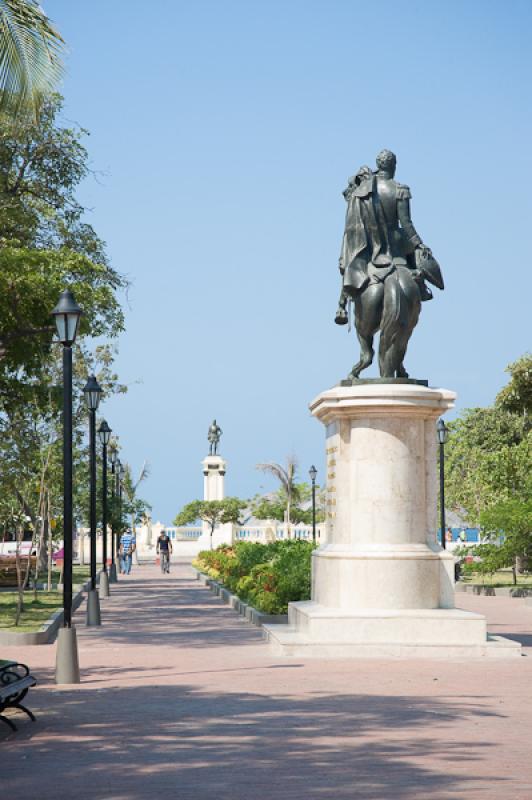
[
  {"x": 286, "y": 477},
  {"x": 30, "y": 56},
  {"x": 130, "y": 487}
]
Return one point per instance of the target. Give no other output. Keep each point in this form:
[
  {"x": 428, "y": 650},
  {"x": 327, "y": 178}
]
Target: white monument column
[
  {"x": 214, "y": 469},
  {"x": 382, "y": 585}
]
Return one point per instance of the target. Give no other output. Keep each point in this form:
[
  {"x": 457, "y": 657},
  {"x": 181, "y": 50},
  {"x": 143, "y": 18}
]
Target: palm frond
[
  {"x": 278, "y": 472},
  {"x": 143, "y": 474},
  {"x": 286, "y": 476},
  {"x": 31, "y": 50}
]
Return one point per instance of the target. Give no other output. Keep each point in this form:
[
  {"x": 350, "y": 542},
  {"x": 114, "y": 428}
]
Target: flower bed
[{"x": 268, "y": 576}]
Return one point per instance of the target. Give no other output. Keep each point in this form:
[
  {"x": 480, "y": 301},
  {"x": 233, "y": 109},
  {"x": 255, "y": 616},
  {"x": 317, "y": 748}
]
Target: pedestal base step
[
  {"x": 286, "y": 640},
  {"x": 322, "y": 632}
]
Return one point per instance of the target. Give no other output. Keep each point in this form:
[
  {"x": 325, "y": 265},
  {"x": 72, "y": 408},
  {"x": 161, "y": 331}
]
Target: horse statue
[{"x": 384, "y": 266}]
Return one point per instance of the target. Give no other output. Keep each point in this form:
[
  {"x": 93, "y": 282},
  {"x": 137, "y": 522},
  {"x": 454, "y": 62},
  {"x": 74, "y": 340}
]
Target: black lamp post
[
  {"x": 104, "y": 434},
  {"x": 313, "y": 472},
  {"x": 113, "y": 457},
  {"x": 67, "y": 314},
  {"x": 443, "y": 436},
  {"x": 92, "y": 392}
]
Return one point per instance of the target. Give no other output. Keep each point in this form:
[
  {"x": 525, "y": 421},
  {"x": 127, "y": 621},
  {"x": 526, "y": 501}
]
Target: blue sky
[{"x": 222, "y": 135}]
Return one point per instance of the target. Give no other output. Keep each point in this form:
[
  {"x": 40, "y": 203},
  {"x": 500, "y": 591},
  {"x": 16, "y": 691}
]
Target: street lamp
[
  {"x": 113, "y": 457},
  {"x": 104, "y": 434},
  {"x": 443, "y": 436},
  {"x": 313, "y": 472},
  {"x": 92, "y": 392},
  {"x": 67, "y": 314}
]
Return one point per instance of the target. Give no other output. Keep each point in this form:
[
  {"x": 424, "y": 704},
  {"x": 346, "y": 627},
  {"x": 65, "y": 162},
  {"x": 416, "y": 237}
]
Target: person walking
[
  {"x": 127, "y": 548},
  {"x": 164, "y": 550}
]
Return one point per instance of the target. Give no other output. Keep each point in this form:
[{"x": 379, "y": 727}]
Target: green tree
[
  {"x": 516, "y": 397},
  {"x": 45, "y": 245},
  {"x": 511, "y": 519},
  {"x": 212, "y": 512},
  {"x": 488, "y": 471},
  {"x": 31, "y": 50},
  {"x": 487, "y": 460}
]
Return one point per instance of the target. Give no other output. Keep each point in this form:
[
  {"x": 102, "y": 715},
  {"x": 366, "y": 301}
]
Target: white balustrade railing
[{"x": 271, "y": 533}]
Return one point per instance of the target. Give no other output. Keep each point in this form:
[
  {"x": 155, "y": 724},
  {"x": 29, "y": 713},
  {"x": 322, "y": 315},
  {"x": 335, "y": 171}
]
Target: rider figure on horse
[{"x": 380, "y": 249}]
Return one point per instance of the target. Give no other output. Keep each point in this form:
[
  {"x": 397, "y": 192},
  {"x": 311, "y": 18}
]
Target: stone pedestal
[
  {"x": 382, "y": 585},
  {"x": 214, "y": 469}
]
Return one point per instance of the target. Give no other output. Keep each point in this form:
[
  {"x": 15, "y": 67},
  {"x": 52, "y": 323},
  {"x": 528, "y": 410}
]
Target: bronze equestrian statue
[{"x": 384, "y": 265}]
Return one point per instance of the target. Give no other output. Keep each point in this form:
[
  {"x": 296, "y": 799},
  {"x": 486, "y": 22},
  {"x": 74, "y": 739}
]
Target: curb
[
  {"x": 47, "y": 632},
  {"x": 251, "y": 614},
  {"x": 491, "y": 591}
]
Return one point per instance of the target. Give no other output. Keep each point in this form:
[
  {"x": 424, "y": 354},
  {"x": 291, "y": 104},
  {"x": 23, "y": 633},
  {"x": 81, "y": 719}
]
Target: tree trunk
[
  {"x": 521, "y": 564},
  {"x": 50, "y": 546},
  {"x": 40, "y": 561},
  {"x": 20, "y": 585},
  {"x": 514, "y": 572}
]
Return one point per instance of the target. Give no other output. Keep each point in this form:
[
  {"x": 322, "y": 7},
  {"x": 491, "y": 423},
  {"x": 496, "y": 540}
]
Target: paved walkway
[{"x": 181, "y": 699}]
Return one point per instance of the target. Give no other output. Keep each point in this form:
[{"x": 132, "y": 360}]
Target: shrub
[{"x": 268, "y": 576}]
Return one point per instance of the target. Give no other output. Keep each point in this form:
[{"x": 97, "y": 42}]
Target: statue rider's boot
[{"x": 341, "y": 316}]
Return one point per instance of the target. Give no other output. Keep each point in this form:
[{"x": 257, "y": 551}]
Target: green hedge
[{"x": 268, "y": 576}]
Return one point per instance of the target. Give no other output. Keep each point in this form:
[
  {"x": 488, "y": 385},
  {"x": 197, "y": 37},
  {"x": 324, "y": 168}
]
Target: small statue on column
[{"x": 213, "y": 437}]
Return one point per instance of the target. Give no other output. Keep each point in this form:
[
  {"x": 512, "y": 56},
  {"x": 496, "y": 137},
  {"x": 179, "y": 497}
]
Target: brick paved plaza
[{"x": 181, "y": 699}]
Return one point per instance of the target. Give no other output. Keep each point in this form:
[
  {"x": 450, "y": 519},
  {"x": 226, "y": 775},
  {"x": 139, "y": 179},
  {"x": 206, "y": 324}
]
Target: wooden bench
[{"x": 15, "y": 682}]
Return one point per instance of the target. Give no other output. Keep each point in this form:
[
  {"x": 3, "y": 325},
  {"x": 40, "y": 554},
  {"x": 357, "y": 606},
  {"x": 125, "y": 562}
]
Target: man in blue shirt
[{"x": 127, "y": 548}]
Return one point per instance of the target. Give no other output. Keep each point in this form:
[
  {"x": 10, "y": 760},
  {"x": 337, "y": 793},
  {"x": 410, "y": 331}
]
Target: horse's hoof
[{"x": 341, "y": 317}]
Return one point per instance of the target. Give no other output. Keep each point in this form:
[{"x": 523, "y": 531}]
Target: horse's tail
[{"x": 399, "y": 317}]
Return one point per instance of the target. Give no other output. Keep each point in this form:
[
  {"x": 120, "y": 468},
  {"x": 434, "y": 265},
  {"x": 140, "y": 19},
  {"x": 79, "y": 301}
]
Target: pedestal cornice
[{"x": 397, "y": 400}]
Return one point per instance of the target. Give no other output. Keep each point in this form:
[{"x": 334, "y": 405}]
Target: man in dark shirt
[{"x": 164, "y": 548}]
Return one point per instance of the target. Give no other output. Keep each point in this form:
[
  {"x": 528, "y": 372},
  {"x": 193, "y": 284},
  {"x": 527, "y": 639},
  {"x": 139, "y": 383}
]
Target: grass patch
[
  {"x": 35, "y": 613},
  {"x": 499, "y": 579},
  {"x": 79, "y": 574}
]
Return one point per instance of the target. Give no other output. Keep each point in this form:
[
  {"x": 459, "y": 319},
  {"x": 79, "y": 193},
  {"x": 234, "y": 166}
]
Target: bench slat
[{"x": 17, "y": 686}]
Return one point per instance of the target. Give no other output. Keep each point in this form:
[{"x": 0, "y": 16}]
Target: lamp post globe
[
  {"x": 67, "y": 315},
  {"x": 93, "y": 392},
  {"x": 104, "y": 433},
  {"x": 443, "y": 432}
]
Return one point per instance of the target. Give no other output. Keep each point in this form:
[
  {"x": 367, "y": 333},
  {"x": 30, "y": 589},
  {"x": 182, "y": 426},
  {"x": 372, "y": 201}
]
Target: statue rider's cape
[{"x": 367, "y": 241}]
